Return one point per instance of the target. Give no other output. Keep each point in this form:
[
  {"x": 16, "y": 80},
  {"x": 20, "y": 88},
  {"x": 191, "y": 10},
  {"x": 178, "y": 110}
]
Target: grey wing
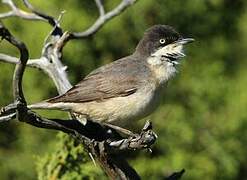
[{"x": 117, "y": 79}]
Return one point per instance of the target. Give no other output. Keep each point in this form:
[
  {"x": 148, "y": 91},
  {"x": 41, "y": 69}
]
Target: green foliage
[
  {"x": 68, "y": 161},
  {"x": 202, "y": 121}
]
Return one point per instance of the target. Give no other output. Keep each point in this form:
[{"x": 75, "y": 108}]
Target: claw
[{"x": 2, "y": 110}]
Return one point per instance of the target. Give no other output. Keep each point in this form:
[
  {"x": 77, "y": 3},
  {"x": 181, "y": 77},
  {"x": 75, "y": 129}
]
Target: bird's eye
[{"x": 162, "y": 41}]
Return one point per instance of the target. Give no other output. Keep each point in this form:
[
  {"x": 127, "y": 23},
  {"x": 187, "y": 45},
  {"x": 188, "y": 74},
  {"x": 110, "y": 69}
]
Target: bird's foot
[
  {"x": 82, "y": 118},
  {"x": 121, "y": 130},
  {"x": 2, "y": 110}
]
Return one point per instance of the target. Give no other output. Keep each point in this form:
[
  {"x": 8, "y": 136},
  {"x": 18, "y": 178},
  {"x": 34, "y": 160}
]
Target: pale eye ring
[{"x": 162, "y": 41}]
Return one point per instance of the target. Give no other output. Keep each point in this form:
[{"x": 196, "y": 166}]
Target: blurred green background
[{"x": 202, "y": 122}]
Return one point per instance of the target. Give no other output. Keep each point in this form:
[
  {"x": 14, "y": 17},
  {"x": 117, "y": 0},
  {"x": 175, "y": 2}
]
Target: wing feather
[{"x": 120, "y": 78}]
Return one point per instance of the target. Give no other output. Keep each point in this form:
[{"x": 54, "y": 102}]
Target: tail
[{"x": 48, "y": 105}]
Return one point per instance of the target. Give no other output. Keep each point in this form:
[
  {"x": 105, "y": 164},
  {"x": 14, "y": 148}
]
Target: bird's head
[{"x": 162, "y": 46}]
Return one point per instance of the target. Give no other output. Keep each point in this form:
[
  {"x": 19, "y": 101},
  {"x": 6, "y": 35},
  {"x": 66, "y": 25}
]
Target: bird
[{"x": 128, "y": 89}]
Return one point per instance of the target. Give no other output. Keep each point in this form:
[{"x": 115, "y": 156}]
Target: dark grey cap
[{"x": 151, "y": 39}]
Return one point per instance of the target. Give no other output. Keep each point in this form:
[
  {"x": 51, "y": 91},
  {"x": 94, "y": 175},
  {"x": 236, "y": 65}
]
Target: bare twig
[
  {"x": 50, "y": 19},
  {"x": 104, "y": 146},
  {"x": 103, "y": 18},
  {"x": 8, "y": 59},
  {"x": 18, "y": 12},
  {"x": 50, "y": 62},
  {"x": 100, "y": 7},
  {"x": 35, "y": 63},
  {"x": 20, "y": 67},
  {"x": 35, "y": 15},
  {"x": 100, "y": 145},
  {"x": 52, "y": 67}
]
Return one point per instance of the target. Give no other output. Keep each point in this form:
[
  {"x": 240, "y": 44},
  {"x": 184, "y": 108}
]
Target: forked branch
[
  {"x": 103, "y": 18},
  {"x": 101, "y": 141}
]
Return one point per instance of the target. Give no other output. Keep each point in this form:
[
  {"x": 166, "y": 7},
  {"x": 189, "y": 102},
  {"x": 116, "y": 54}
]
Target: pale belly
[{"x": 121, "y": 110}]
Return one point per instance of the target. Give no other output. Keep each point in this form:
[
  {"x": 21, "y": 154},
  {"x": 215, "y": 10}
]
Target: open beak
[
  {"x": 184, "y": 41},
  {"x": 177, "y": 51}
]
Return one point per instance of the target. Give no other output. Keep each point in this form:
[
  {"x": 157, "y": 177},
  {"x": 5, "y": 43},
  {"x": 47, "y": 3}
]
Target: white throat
[
  {"x": 163, "y": 71},
  {"x": 161, "y": 65}
]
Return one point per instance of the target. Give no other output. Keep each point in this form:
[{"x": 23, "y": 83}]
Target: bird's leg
[
  {"x": 83, "y": 118},
  {"x": 120, "y": 129}
]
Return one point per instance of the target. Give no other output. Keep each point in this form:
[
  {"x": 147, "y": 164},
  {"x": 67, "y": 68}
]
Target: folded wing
[{"x": 120, "y": 78}]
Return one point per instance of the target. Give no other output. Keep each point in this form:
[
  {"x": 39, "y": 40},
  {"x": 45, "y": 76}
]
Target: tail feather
[{"x": 47, "y": 105}]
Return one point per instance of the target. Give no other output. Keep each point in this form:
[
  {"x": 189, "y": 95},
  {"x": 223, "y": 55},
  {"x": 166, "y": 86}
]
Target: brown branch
[
  {"x": 101, "y": 141},
  {"x": 20, "y": 67},
  {"x": 143, "y": 140},
  {"x": 8, "y": 112},
  {"x": 101, "y": 145},
  {"x": 104, "y": 146}
]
